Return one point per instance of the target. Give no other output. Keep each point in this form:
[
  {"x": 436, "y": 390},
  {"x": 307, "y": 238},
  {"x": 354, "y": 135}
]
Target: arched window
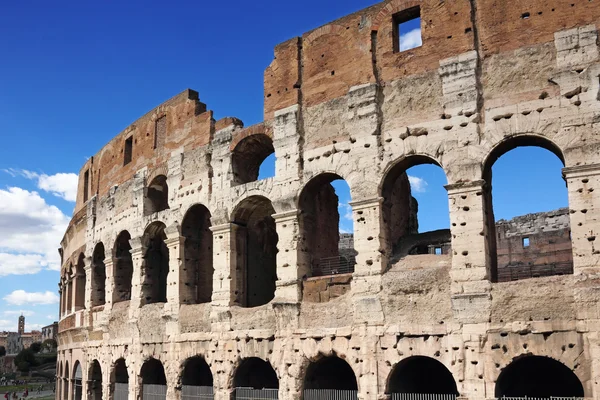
[
  {"x": 95, "y": 381},
  {"x": 322, "y": 225},
  {"x": 196, "y": 379},
  {"x": 154, "y": 381},
  {"x": 526, "y": 200},
  {"x": 248, "y": 156},
  {"x": 198, "y": 256},
  {"x": 415, "y": 208},
  {"x": 77, "y": 382},
  {"x": 157, "y": 195},
  {"x": 255, "y": 378},
  {"x": 155, "y": 265},
  {"x": 327, "y": 376},
  {"x": 256, "y": 255},
  {"x": 59, "y": 379},
  {"x": 123, "y": 268},
  {"x": 70, "y": 277},
  {"x": 98, "y": 276},
  {"x": 66, "y": 381},
  {"x": 421, "y": 375},
  {"x": 80, "y": 283},
  {"x": 539, "y": 377},
  {"x": 120, "y": 377}
]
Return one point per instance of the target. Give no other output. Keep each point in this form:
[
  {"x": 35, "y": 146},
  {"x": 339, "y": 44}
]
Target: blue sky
[{"x": 75, "y": 73}]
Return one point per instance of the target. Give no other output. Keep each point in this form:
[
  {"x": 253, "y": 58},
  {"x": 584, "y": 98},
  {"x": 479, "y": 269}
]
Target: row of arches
[
  {"x": 256, "y": 239},
  {"x": 327, "y": 378}
]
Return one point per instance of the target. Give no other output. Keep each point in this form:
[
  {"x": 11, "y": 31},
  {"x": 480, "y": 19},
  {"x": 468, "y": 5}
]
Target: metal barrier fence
[
  {"x": 334, "y": 266},
  {"x": 330, "y": 394},
  {"x": 154, "y": 392},
  {"x": 256, "y": 394},
  {"x": 121, "y": 391},
  {"x": 423, "y": 396},
  {"x": 197, "y": 392},
  {"x": 540, "y": 398}
]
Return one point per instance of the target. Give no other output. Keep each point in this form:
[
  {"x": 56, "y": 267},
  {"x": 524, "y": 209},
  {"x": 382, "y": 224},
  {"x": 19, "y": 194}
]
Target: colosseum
[{"x": 184, "y": 276}]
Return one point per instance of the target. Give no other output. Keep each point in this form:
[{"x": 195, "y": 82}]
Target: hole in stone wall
[
  {"x": 407, "y": 29},
  {"x": 155, "y": 265},
  {"x": 197, "y": 272},
  {"x": 98, "y": 276},
  {"x": 123, "y": 268},
  {"x": 128, "y": 150},
  {"x": 157, "y": 195},
  {"x": 256, "y": 252},
  {"x": 526, "y": 211},
  {"x": 80, "y": 282},
  {"x": 249, "y": 155}
]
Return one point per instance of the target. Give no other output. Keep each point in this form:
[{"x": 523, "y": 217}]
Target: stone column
[
  {"x": 60, "y": 300},
  {"x": 370, "y": 260},
  {"x": 175, "y": 285},
  {"x": 289, "y": 270},
  {"x": 70, "y": 298},
  {"x": 286, "y": 141},
  {"x": 471, "y": 261},
  {"x": 224, "y": 276},
  {"x": 137, "y": 279},
  {"x": 109, "y": 284},
  {"x": 87, "y": 267}
]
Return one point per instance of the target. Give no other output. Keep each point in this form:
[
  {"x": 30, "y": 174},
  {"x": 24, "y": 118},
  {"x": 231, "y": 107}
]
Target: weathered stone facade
[{"x": 176, "y": 251}]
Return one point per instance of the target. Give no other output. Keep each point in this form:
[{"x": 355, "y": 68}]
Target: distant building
[
  {"x": 14, "y": 342},
  {"x": 49, "y": 332}
]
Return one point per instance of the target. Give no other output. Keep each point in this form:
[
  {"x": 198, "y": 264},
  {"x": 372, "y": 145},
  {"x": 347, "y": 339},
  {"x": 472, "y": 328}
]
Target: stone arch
[
  {"x": 196, "y": 377},
  {"x": 319, "y": 228},
  {"x": 248, "y": 155},
  {"x": 156, "y": 197},
  {"x": 153, "y": 379},
  {"x": 255, "y": 373},
  {"x": 122, "y": 268},
  {"x": 155, "y": 265},
  {"x": 256, "y": 251},
  {"x": 80, "y": 283},
  {"x": 421, "y": 375},
  {"x": 98, "y": 276},
  {"x": 197, "y": 268},
  {"x": 95, "y": 381},
  {"x": 330, "y": 373},
  {"x": 77, "y": 381},
  {"x": 66, "y": 380},
  {"x": 538, "y": 376},
  {"x": 59, "y": 380},
  {"x": 119, "y": 378},
  {"x": 499, "y": 149},
  {"x": 400, "y": 209}
]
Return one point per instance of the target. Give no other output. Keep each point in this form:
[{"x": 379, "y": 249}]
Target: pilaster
[
  {"x": 137, "y": 251},
  {"x": 289, "y": 270}
]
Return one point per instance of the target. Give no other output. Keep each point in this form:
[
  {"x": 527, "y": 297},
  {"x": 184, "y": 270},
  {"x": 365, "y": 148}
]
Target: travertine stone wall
[{"x": 339, "y": 102}]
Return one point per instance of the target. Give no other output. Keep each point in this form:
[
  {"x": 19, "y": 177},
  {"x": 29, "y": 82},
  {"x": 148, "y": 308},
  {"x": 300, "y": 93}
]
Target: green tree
[
  {"x": 50, "y": 345},
  {"x": 25, "y": 360},
  {"x": 36, "y": 347}
]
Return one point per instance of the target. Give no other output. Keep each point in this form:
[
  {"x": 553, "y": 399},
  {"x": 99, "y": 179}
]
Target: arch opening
[
  {"x": 120, "y": 378},
  {"x": 66, "y": 381},
  {"x": 196, "y": 379},
  {"x": 95, "y": 381},
  {"x": 255, "y": 378},
  {"x": 80, "y": 283},
  {"x": 421, "y": 375},
  {"x": 330, "y": 375},
  {"x": 123, "y": 268},
  {"x": 253, "y": 158},
  {"x": 415, "y": 208},
  {"x": 537, "y": 376},
  {"x": 157, "y": 195},
  {"x": 154, "y": 381},
  {"x": 256, "y": 252},
  {"x": 77, "y": 386},
  {"x": 327, "y": 232},
  {"x": 526, "y": 204},
  {"x": 98, "y": 276},
  {"x": 198, "y": 256},
  {"x": 69, "y": 298},
  {"x": 59, "y": 379},
  {"x": 155, "y": 264}
]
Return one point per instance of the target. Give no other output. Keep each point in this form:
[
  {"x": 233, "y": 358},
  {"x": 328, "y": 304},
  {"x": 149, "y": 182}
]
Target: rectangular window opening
[
  {"x": 86, "y": 184},
  {"x": 438, "y": 251},
  {"x": 525, "y": 242},
  {"x": 407, "y": 29},
  {"x": 160, "y": 132},
  {"x": 128, "y": 150}
]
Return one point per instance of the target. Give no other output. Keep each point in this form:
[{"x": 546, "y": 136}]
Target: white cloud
[
  {"x": 30, "y": 232},
  {"x": 52, "y": 317},
  {"x": 25, "y": 313},
  {"x": 417, "y": 185},
  {"x": 63, "y": 185},
  {"x": 20, "y": 297},
  {"x": 8, "y": 325},
  {"x": 411, "y": 39}
]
